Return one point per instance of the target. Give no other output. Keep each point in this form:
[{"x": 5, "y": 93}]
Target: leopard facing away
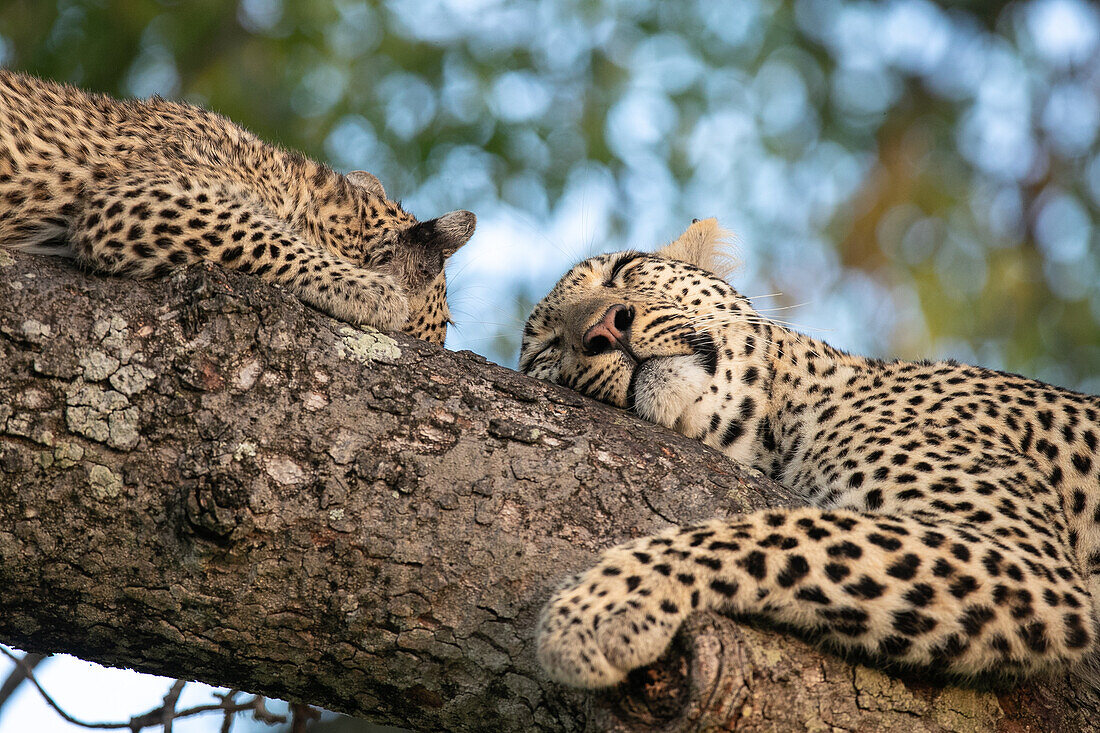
[
  {"x": 953, "y": 517},
  {"x": 141, "y": 187}
]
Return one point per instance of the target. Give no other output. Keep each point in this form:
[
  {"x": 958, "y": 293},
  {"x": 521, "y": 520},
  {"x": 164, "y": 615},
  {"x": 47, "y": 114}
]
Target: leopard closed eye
[
  {"x": 953, "y": 512},
  {"x": 141, "y": 187}
]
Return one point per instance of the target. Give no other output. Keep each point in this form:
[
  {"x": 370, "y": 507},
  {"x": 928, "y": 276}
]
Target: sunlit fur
[
  {"x": 141, "y": 187},
  {"x": 675, "y": 358},
  {"x": 953, "y": 512}
]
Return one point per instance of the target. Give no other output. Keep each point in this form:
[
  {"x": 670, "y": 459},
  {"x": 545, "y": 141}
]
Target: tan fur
[
  {"x": 140, "y": 187},
  {"x": 953, "y": 512},
  {"x": 705, "y": 245}
]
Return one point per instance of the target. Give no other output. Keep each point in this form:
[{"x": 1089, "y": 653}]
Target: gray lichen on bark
[{"x": 200, "y": 477}]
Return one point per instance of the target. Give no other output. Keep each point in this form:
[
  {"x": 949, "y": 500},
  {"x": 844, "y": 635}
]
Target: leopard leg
[
  {"x": 908, "y": 590},
  {"x": 36, "y": 210},
  {"x": 146, "y": 225}
]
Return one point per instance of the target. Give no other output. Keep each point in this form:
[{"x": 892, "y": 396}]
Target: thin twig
[
  {"x": 15, "y": 679},
  {"x": 160, "y": 715},
  {"x": 228, "y": 717},
  {"x": 262, "y": 714},
  {"x": 301, "y": 717},
  {"x": 168, "y": 709},
  {"x": 29, "y": 672}
]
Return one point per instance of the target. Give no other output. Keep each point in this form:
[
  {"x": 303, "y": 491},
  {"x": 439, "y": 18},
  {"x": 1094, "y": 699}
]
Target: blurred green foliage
[{"x": 924, "y": 177}]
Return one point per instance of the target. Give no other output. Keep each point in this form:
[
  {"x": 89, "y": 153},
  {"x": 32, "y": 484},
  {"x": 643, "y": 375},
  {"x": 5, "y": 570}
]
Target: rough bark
[{"x": 201, "y": 478}]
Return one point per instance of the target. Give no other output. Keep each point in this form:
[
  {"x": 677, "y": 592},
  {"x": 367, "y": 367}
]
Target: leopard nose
[{"x": 610, "y": 331}]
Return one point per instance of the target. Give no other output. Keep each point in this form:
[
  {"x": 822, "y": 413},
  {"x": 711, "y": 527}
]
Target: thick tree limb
[{"x": 201, "y": 478}]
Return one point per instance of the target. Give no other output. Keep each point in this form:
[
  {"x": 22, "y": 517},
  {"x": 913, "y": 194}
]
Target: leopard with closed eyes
[
  {"x": 141, "y": 187},
  {"x": 953, "y": 512}
]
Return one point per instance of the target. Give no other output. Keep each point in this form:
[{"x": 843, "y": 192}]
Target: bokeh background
[{"x": 906, "y": 178}]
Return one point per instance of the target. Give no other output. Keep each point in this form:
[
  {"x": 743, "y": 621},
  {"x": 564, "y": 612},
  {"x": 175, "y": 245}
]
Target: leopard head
[
  {"x": 660, "y": 334},
  {"x": 414, "y": 252}
]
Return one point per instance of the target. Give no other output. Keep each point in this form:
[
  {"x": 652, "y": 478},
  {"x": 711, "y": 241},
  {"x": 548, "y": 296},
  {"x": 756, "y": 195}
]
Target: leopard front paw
[
  {"x": 389, "y": 306},
  {"x": 369, "y": 299},
  {"x": 618, "y": 616}
]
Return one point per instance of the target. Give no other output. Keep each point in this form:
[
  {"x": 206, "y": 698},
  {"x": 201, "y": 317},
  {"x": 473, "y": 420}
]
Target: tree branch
[
  {"x": 201, "y": 477},
  {"x": 164, "y": 715},
  {"x": 168, "y": 706},
  {"x": 23, "y": 666}
]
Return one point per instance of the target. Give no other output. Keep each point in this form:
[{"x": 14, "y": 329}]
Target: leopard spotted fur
[
  {"x": 953, "y": 512},
  {"x": 140, "y": 187}
]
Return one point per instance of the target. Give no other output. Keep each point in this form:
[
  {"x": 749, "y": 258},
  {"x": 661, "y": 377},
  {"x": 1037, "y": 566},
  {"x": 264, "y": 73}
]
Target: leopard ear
[
  {"x": 705, "y": 245},
  {"x": 424, "y": 247},
  {"x": 449, "y": 232},
  {"x": 369, "y": 182}
]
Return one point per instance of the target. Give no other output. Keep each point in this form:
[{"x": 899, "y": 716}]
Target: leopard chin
[{"x": 664, "y": 389}]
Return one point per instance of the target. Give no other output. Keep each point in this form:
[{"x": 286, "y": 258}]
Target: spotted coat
[
  {"x": 141, "y": 187},
  {"x": 953, "y": 517}
]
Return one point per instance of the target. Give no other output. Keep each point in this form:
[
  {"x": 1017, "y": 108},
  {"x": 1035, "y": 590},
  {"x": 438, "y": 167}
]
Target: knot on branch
[
  {"x": 216, "y": 506},
  {"x": 698, "y": 684}
]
